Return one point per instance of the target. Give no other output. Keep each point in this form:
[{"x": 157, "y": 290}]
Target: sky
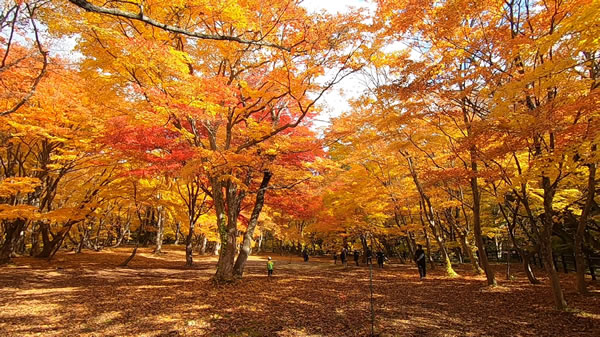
[{"x": 335, "y": 101}]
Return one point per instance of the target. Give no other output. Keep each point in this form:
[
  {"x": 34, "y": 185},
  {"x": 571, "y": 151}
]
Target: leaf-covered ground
[{"x": 85, "y": 295}]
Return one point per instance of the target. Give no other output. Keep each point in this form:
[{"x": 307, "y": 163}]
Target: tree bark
[
  {"x": 489, "y": 273},
  {"x": 13, "y": 234},
  {"x": 546, "y": 244},
  {"x": 579, "y": 235},
  {"x": 240, "y": 263},
  {"x": 160, "y": 229}
]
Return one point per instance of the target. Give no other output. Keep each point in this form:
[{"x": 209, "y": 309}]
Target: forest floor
[{"x": 86, "y": 295}]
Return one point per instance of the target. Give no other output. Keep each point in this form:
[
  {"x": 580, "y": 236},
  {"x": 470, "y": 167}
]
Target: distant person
[
  {"x": 270, "y": 265},
  {"x": 380, "y": 259},
  {"x": 305, "y": 255},
  {"x": 343, "y": 256},
  {"x": 369, "y": 256},
  {"x": 356, "y": 255},
  {"x": 335, "y": 257},
  {"x": 421, "y": 261}
]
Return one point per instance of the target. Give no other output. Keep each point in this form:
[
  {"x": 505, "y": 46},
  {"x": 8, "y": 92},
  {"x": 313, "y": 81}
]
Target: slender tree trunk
[
  {"x": 203, "y": 242},
  {"x": 177, "y": 233},
  {"x": 137, "y": 244},
  {"x": 489, "y": 273},
  {"x": 189, "y": 248},
  {"x": 440, "y": 241},
  {"x": 546, "y": 245},
  {"x": 240, "y": 263},
  {"x": 124, "y": 232},
  {"x": 579, "y": 235},
  {"x": 260, "y": 243},
  {"x": 160, "y": 229},
  {"x": 428, "y": 247},
  {"x": 527, "y": 267}
]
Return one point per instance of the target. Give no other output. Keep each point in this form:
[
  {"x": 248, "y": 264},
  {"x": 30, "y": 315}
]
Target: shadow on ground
[{"x": 85, "y": 295}]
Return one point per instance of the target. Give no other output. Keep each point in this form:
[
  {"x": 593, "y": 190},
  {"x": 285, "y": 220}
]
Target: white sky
[{"x": 335, "y": 101}]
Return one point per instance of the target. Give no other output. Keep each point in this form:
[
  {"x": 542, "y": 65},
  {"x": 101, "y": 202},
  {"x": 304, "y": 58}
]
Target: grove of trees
[{"x": 191, "y": 122}]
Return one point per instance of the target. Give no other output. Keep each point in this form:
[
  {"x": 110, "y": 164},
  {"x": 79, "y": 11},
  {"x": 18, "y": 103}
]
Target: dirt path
[{"x": 85, "y": 295}]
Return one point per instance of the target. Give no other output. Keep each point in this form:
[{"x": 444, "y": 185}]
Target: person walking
[
  {"x": 343, "y": 256},
  {"x": 305, "y": 255},
  {"x": 421, "y": 261},
  {"x": 380, "y": 259},
  {"x": 356, "y": 256},
  {"x": 335, "y": 257},
  {"x": 270, "y": 266},
  {"x": 369, "y": 256}
]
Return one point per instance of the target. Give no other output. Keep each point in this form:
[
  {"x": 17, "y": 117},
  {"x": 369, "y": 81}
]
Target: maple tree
[{"x": 193, "y": 121}]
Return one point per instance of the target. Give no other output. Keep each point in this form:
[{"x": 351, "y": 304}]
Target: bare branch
[{"x": 141, "y": 17}]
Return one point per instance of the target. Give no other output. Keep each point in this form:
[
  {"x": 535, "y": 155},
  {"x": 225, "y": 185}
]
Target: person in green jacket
[{"x": 270, "y": 267}]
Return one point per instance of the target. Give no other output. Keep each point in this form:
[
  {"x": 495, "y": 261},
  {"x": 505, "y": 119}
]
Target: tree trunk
[
  {"x": 137, "y": 244},
  {"x": 546, "y": 245},
  {"x": 160, "y": 230},
  {"x": 240, "y": 263},
  {"x": 259, "y": 244},
  {"x": 203, "y": 242},
  {"x": 440, "y": 241},
  {"x": 527, "y": 267},
  {"x": 177, "y": 233},
  {"x": 123, "y": 233},
  {"x": 579, "y": 235},
  {"x": 217, "y": 248},
  {"x": 35, "y": 240},
  {"x": 489, "y": 273},
  {"x": 13, "y": 234},
  {"x": 189, "y": 249},
  {"x": 428, "y": 246}
]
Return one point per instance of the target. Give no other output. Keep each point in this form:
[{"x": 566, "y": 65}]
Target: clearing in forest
[{"x": 86, "y": 295}]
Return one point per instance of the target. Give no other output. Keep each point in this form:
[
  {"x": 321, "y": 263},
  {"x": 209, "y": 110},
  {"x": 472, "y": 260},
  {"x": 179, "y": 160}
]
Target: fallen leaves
[{"x": 160, "y": 297}]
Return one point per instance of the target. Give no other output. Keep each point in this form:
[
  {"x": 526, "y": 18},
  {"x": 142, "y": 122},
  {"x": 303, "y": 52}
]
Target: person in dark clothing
[
  {"x": 356, "y": 255},
  {"x": 421, "y": 261},
  {"x": 334, "y": 257},
  {"x": 305, "y": 255},
  {"x": 380, "y": 259},
  {"x": 343, "y": 256},
  {"x": 369, "y": 256}
]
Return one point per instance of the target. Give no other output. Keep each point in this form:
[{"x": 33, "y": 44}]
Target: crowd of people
[{"x": 380, "y": 256}]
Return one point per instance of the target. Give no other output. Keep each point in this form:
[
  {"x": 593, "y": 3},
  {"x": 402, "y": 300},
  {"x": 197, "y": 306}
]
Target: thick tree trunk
[
  {"x": 546, "y": 245},
  {"x": 35, "y": 240},
  {"x": 579, "y": 235},
  {"x": 227, "y": 227},
  {"x": 240, "y": 263},
  {"x": 12, "y": 235}
]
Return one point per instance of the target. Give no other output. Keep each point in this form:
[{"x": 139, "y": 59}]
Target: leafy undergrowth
[{"x": 85, "y": 295}]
